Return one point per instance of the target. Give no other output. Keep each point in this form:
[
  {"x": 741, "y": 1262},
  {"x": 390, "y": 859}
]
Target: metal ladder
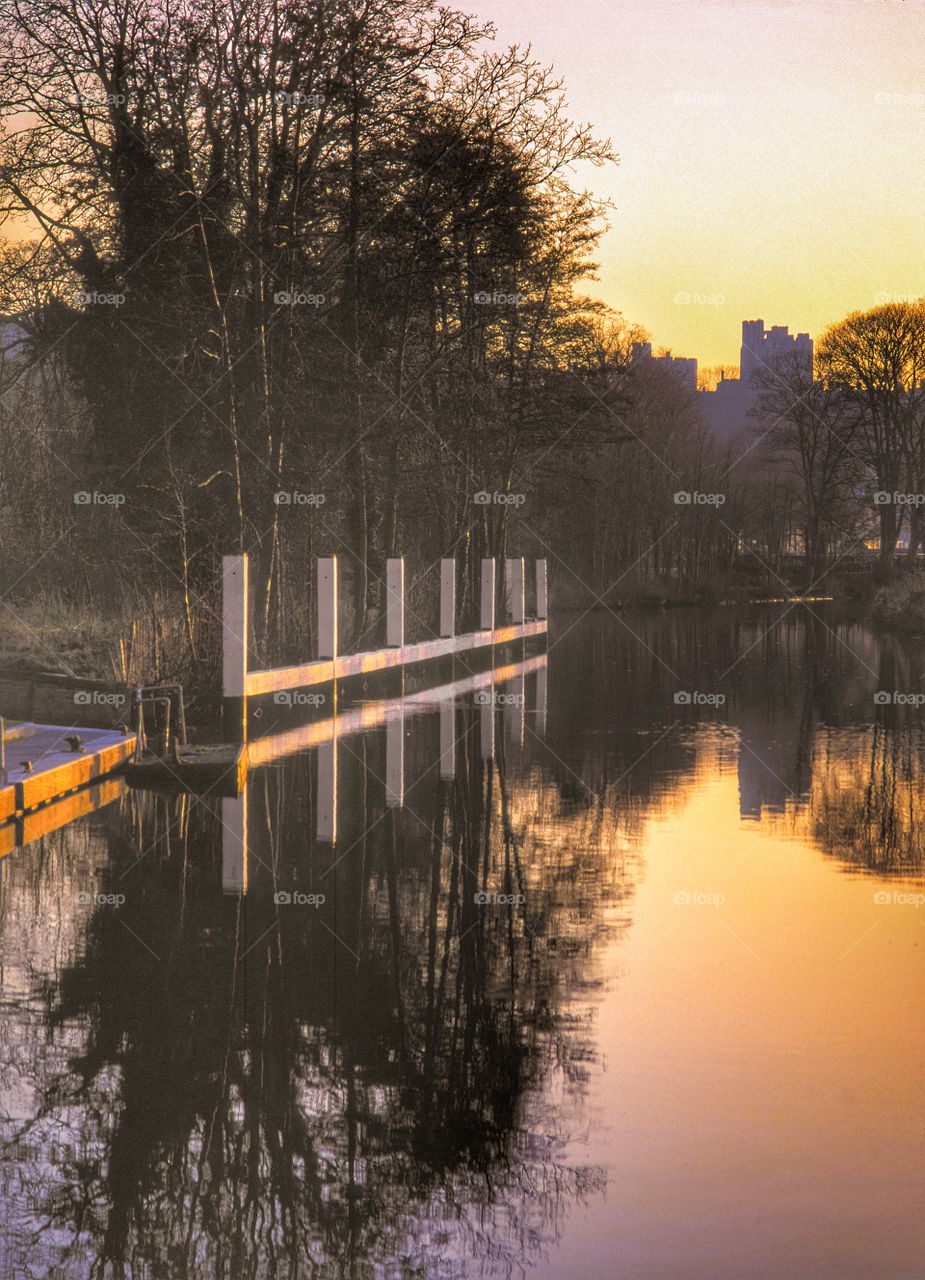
[{"x": 170, "y": 697}]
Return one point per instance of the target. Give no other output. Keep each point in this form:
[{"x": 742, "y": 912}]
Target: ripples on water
[{"x": 579, "y": 1010}]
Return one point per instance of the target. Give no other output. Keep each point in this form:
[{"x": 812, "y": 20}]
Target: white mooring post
[
  {"x": 234, "y": 648},
  {"x": 395, "y": 603},
  {"x": 514, "y": 589},
  {"x": 234, "y": 626},
  {"x": 234, "y": 843},
  {"x": 447, "y": 597},
  {"x": 487, "y": 618},
  {"x": 542, "y": 591},
  {"x": 327, "y": 607}
]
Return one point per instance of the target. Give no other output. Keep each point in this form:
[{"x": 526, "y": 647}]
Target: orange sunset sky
[{"x": 772, "y": 155}]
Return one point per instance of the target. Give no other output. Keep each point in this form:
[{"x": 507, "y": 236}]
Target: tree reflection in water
[
  {"x": 392, "y": 1083},
  {"x": 233, "y": 1085},
  {"x": 867, "y": 804}
]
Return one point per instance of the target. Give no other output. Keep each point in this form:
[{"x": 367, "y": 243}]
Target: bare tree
[
  {"x": 810, "y": 429},
  {"x": 877, "y": 358}
]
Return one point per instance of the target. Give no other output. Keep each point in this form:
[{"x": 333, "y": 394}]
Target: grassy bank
[
  {"x": 49, "y": 633},
  {"x": 134, "y": 642},
  {"x": 900, "y": 603},
  {"x": 741, "y": 586}
]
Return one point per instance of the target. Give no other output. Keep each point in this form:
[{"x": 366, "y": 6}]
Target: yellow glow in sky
[{"x": 772, "y": 155}]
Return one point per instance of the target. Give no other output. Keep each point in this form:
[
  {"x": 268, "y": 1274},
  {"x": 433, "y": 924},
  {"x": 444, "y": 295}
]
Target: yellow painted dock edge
[
  {"x": 46, "y": 785},
  {"x": 58, "y": 814}
]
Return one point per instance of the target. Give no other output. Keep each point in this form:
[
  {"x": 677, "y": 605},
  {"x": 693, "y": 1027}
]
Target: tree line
[
  {"x": 326, "y": 251},
  {"x": 308, "y": 276}
]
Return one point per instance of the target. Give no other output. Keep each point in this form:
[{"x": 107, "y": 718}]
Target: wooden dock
[
  {"x": 217, "y": 768},
  {"x": 45, "y": 763}
]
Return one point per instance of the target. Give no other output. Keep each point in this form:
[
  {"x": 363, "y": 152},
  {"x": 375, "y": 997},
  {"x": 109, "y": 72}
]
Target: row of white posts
[{"x": 238, "y": 681}]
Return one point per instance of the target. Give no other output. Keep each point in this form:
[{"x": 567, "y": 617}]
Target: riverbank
[
  {"x": 131, "y": 642},
  {"x": 51, "y": 634},
  {"x": 138, "y": 643},
  {"x": 900, "y": 604},
  {"x": 893, "y": 599},
  {"x": 744, "y": 585}
]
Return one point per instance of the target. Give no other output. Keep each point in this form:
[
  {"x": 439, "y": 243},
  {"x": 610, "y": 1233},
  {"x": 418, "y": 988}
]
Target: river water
[{"x": 614, "y": 969}]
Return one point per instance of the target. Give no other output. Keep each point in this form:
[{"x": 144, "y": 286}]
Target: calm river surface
[{"x": 628, "y": 983}]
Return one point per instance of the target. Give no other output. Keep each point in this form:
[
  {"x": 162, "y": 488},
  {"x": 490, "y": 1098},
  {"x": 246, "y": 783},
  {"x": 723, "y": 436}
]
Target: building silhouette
[
  {"x": 729, "y": 409},
  {"x": 13, "y": 338},
  {"x": 764, "y": 348},
  {"x": 684, "y": 368}
]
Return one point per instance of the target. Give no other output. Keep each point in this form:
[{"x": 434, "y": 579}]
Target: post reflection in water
[
  {"x": 234, "y": 843},
  {"x": 411, "y": 1002},
  {"x": 448, "y": 739},
  {"x": 391, "y": 712},
  {"x": 326, "y": 825},
  {"x": 395, "y": 759}
]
